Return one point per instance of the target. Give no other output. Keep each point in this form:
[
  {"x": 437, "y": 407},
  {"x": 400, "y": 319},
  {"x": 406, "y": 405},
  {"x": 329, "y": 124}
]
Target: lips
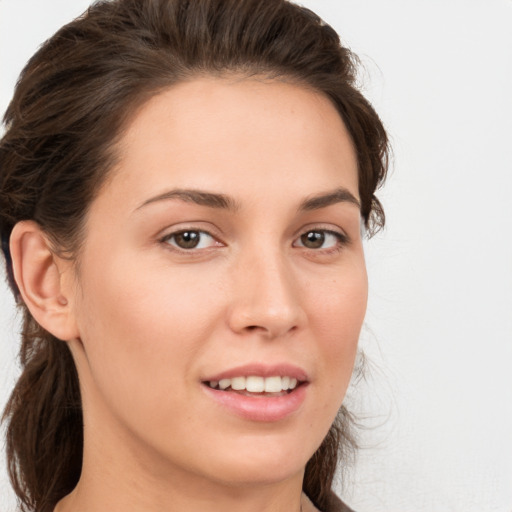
[{"x": 258, "y": 392}]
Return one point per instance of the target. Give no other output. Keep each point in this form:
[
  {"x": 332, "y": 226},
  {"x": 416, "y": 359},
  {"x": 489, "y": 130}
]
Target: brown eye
[
  {"x": 190, "y": 239},
  {"x": 313, "y": 239},
  {"x": 187, "y": 239},
  {"x": 321, "y": 239}
]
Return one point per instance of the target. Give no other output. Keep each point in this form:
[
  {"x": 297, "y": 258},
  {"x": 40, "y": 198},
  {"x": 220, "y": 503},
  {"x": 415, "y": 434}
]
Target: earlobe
[{"x": 38, "y": 273}]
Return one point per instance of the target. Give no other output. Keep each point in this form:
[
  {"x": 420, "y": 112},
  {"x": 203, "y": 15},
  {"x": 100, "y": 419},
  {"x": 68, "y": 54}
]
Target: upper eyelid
[
  {"x": 327, "y": 228},
  {"x": 187, "y": 226},
  {"x": 341, "y": 236},
  {"x": 175, "y": 232}
]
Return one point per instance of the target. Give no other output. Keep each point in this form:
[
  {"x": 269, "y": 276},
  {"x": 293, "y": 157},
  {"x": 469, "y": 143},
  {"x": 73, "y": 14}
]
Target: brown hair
[{"x": 72, "y": 101}]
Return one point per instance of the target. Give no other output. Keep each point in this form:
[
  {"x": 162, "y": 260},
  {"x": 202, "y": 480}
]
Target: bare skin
[{"x": 277, "y": 277}]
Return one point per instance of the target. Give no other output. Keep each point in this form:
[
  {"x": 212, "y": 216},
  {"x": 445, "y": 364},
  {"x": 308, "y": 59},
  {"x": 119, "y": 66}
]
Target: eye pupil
[
  {"x": 313, "y": 239},
  {"x": 187, "y": 239}
]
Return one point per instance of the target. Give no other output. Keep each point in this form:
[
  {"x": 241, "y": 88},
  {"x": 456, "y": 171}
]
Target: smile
[
  {"x": 256, "y": 384},
  {"x": 258, "y": 392}
]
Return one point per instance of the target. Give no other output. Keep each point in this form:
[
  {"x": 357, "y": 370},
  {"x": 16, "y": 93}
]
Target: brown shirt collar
[{"x": 336, "y": 505}]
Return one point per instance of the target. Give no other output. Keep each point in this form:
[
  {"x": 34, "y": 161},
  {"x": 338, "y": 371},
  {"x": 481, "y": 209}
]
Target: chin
[
  {"x": 261, "y": 461},
  {"x": 257, "y": 473}
]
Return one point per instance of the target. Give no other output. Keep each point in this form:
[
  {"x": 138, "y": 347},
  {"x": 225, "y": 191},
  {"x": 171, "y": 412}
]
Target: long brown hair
[{"x": 72, "y": 101}]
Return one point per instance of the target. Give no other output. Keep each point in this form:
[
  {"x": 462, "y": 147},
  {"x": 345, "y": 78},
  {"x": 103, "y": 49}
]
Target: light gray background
[{"x": 439, "y": 322}]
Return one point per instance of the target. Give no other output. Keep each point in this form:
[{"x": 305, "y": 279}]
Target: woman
[{"x": 185, "y": 186}]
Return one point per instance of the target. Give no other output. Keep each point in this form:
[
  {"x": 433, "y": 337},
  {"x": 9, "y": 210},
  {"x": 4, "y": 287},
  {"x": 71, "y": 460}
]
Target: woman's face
[{"x": 224, "y": 252}]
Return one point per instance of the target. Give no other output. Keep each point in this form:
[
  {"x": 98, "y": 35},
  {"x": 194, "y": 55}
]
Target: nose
[{"x": 266, "y": 298}]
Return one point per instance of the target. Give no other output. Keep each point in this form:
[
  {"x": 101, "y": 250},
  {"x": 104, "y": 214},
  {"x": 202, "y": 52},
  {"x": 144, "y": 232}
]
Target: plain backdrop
[{"x": 437, "y": 404}]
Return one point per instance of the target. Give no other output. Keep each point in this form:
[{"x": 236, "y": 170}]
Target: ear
[{"x": 43, "y": 280}]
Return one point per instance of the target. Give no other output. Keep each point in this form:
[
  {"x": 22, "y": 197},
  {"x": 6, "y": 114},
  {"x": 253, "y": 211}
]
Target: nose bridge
[{"x": 266, "y": 297}]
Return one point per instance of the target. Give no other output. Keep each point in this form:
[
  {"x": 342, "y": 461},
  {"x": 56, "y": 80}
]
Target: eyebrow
[
  {"x": 209, "y": 199},
  {"x": 318, "y": 201},
  {"x": 222, "y": 201}
]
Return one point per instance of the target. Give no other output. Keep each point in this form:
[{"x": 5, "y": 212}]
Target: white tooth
[
  {"x": 224, "y": 383},
  {"x": 285, "y": 383},
  {"x": 238, "y": 383},
  {"x": 214, "y": 383},
  {"x": 293, "y": 383},
  {"x": 273, "y": 385},
  {"x": 255, "y": 384}
]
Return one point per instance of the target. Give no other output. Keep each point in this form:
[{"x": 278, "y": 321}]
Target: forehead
[{"x": 213, "y": 133}]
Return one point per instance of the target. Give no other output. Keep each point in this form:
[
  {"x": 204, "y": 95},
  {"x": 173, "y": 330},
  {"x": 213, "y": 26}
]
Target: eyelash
[{"x": 341, "y": 240}]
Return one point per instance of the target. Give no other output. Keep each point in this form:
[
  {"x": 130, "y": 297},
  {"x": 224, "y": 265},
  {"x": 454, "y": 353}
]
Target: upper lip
[{"x": 261, "y": 370}]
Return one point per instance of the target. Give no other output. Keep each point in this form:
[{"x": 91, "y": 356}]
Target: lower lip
[{"x": 260, "y": 408}]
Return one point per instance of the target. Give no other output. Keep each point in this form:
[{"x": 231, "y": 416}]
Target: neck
[{"x": 111, "y": 498}]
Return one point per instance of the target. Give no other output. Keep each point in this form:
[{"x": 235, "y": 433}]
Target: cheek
[
  {"x": 140, "y": 302},
  {"x": 338, "y": 317},
  {"x": 141, "y": 332}
]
